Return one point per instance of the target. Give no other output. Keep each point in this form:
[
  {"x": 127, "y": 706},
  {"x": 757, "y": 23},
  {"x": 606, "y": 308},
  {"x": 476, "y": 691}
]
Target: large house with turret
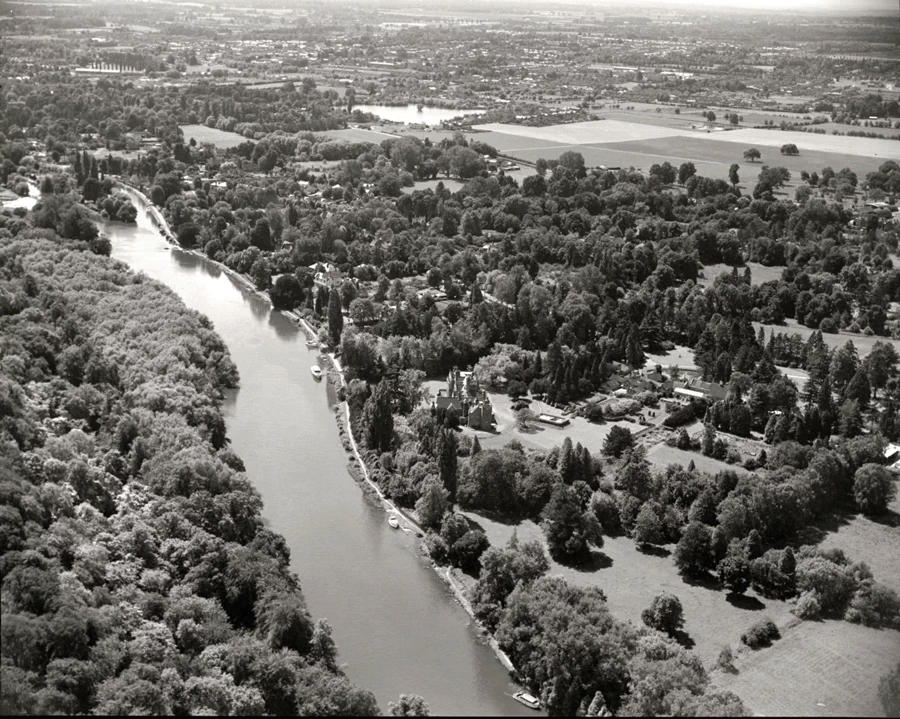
[{"x": 464, "y": 395}]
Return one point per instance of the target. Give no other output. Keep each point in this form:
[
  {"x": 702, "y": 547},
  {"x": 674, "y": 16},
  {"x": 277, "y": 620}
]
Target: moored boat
[
  {"x": 527, "y": 699},
  {"x": 393, "y": 521},
  {"x": 316, "y": 371}
]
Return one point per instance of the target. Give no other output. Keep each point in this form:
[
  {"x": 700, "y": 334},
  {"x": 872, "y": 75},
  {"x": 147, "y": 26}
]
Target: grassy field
[
  {"x": 219, "y": 138},
  {"x": 829, "y": 668},
  {"x": 594, "y": 156},
  {"x": 874, "y": 542},
  {"x": 681, "y": 356},
  {"x": 662, "y": 455},
  {"x": 354, "y": 134},
  {"x": 862, "y": 343},
  {"x": 758, "y": 273},
  {"x": 826, "y": 668}
]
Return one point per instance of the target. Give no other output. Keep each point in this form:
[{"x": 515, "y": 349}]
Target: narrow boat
[
  {"x": 393, "y": 521},
  {"x": 316, "y": 371},
  {"x": 527, "y": 699}
]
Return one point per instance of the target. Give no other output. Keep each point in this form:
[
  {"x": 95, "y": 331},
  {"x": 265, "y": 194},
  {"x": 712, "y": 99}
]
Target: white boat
[
  {"x": 527, "y": 699},
  {"x": 393, "y": 521},
  {"x": 311, "y": 343},
  {"x": 316, "y": 371}
]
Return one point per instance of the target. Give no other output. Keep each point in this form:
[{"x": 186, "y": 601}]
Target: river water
[{"x": 397, "y": 627}]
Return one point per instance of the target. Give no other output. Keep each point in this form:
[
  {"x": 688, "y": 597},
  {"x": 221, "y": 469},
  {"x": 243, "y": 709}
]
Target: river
[{"x": 396, "y": 625}]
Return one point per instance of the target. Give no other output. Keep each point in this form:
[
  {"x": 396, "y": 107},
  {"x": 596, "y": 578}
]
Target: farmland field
[
  {"x": 355, "y": 134},
  {"x": 219, "y": 138},
  {"x": 730, "y": 148},
  {"x": 639, "y": 141},
  {"x": 586, "y": 133}
]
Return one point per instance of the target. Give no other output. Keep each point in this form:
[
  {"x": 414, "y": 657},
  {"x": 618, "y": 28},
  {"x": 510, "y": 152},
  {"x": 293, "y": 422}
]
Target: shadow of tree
[
  {"x": 817, "y": 531},
  {"x": 888, "y": 519},
  {"x": 684, "y": 639},
  {"x": 742, "y": 601},
  {"x": 707, "y": 581},
  {"x": 596, "y": 561},
  {"x": 654, "y": 551},
  {"x": 504, "y": 519}
]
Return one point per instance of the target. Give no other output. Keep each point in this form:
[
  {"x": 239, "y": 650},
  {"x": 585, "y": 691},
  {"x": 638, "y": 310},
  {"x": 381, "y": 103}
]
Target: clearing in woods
[
  {"x": 862, "y": 343},
  {"x": 219, "y": 138}
]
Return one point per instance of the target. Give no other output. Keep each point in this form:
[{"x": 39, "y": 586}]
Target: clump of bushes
[{"x": 761, "y": 634}]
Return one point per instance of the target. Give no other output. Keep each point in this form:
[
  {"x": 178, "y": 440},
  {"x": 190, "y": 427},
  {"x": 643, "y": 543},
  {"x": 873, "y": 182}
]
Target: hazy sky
[{"x": 841, "y": 6}]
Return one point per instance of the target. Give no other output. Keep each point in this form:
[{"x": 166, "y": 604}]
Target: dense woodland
[{"x": 137, "y": 575}]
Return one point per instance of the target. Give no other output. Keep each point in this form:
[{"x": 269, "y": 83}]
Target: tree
[
  {"x": 378, "y": 420},
  {"x": 733, "y": 174},
  {"x": 665, "y": 613},
  {"x": 569, "y": 530},
  {"x": 448, "y": 446},
  {"x": 686, "y": 171},
  {"x": 709, "y": 439},
  {"x": 634, "y": 474},
  {"x": 648, "y": 528},
  {"x": 789, "y": 149},
  {"x": 286, "y": 292},
  {"x": 874, "y": 488},
  {"x": 90, "y": 190},
  {"x": 880, "y": 364},
  {"x": 410, "y": 705},
  {"x": 734, "y": 573},
  {"x": 858, "y": 389},
  {"x": 335, "y": 317},
  {"x": 850, "y": 419},
  {"x": 433, "y": 503},
  {"x": 693, "y": 553},
  {"x": 618, "y": 441},
  {"x": 752, "y": 154},
  {"x": 502, "y": 570},
  {"x": 466, "y": 551}
]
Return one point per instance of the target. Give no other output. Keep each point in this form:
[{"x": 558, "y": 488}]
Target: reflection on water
[
  {"x": 411, "y": 113},
  {"x": 397, "y": 629}
]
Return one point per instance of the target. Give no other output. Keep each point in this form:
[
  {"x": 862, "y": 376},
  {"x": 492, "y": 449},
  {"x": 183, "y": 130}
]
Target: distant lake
[{"x": 410, "y": 113}]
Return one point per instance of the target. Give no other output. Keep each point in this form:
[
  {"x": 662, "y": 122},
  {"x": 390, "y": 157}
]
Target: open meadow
[
  {"x": 828, "y": 668},
  {"x": 862, "y": 343},
  {"x": 758, "y": 273},
  {"x": 219, "y": 138}
]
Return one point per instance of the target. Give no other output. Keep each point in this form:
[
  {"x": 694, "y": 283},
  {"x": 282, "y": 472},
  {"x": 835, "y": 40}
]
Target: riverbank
[{"x": 356, "y": 465}]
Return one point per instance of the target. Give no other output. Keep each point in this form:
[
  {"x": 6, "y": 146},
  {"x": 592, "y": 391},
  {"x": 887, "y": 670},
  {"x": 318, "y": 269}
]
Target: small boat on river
[
  {"x": 527, "y": 699},
  {"x": 316, "y": 371},
  {"x": 393, "y": 521},
  {"x": 311, "y": 343}
]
